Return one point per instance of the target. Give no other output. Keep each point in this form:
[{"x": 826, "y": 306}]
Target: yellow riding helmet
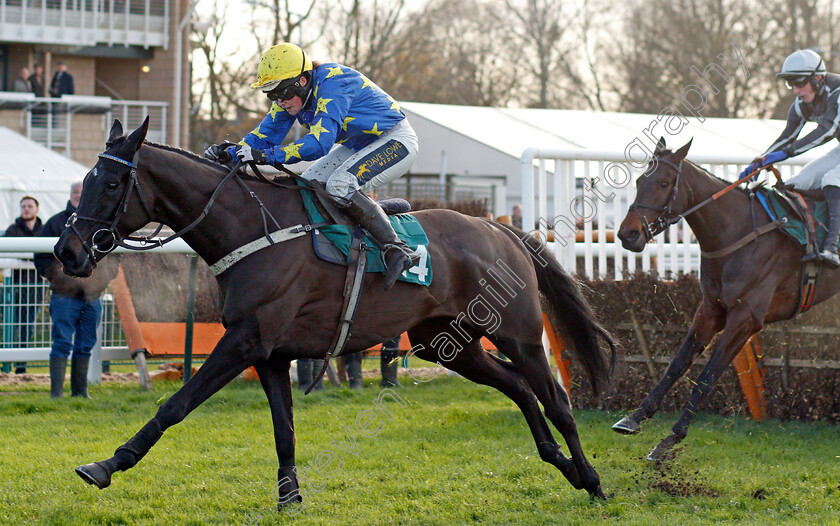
[{"x": 281, "y": 62}]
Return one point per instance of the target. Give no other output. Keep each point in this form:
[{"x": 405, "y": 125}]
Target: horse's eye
[
  {"x": 112, "y": 185},
  {"x": 664, "y": 183}
]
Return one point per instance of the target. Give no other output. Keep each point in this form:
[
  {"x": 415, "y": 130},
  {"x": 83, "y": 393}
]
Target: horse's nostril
[{"x": 66, "y": 255}]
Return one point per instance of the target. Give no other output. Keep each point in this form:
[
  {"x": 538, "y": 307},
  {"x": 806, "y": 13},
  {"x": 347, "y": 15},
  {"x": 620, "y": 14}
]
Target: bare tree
[
  {"x": 223, "y": 104},
  {"x": 670, "y": 44},
  {"x": 541, "y": 31}
]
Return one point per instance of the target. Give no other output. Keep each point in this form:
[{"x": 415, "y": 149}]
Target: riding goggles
[
  {"x": 281, "y": 93},
  {"x": 797, "y": 82}
]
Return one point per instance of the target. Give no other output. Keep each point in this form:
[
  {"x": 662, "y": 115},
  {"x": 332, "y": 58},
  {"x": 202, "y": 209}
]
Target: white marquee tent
[
  {"x": 481, "y": 145},
  {"x": 31, "y": 169}
]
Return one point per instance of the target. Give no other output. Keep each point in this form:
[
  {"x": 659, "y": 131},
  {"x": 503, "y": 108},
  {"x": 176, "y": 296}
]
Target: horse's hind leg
[
  {"x": 473, "y": 363},
  {"x": 531, "y": 361},
  {"x": 708, "y": 321},
  {"x": 274, "y": 378},
  {"x": 238, "y": 349}
]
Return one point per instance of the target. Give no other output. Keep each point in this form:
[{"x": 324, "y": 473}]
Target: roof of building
[{"x": 512, "y": 130}]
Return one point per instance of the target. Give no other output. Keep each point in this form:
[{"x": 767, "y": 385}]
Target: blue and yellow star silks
[{"x": 345, "y": 108}]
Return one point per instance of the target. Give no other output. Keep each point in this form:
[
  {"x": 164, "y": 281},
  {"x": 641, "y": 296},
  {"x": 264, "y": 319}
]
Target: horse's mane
[
  {"x": 223, "y": 170},
  {"x": 707, "y": 172}
]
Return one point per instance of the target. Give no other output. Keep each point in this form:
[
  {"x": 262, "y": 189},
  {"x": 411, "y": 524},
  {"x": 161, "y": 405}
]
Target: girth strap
[
  {"x": 749, "y": 238},
  {"x": 352, "y": 293},
  {"x": 258, "y": 244}
]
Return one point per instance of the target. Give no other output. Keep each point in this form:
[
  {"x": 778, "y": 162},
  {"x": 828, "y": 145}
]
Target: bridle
[
  {"x": 110, "y": 234},
  {"x": 665, "y": 217}
]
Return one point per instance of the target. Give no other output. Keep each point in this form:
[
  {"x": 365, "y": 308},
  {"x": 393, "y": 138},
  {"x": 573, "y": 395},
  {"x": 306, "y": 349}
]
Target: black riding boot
[
  {"x": 58, "y": 368},
  {"x": 316, "y": 368},
  {"x": 353, "y": 363},
  {"x": 78, "y": 376},
  {"x": 390, "y": 364},
  {"x": 397, "y": 255},
  {"x": 304, "y": 370},
  {"x": 828, "y": 254}
]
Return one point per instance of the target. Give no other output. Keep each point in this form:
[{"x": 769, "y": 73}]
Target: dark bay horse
[
  {"x": 282, "y": 302},
  {"x": 753, "y": 285}
]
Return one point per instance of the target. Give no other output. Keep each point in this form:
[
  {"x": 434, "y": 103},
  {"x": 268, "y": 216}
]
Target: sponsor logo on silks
[{"x": 379, "y": 160}]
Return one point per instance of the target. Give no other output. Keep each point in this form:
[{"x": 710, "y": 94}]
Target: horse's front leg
[
  {"x": 238, "y": 349},
  {"x": 274, "y": 377},
  {"x": 741, "y": 325},
  {"x": 708, "y": 321}
]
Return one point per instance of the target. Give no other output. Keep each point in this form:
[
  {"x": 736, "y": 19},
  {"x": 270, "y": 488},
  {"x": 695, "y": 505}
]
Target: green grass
[{"x": 458, "y": 453}]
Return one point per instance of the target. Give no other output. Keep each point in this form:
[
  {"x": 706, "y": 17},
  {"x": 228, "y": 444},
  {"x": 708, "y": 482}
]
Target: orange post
[
  {"x": 751, "y": 377},
  {"x": 131, "y": 327},
  {"x": 557, "y": 347}
]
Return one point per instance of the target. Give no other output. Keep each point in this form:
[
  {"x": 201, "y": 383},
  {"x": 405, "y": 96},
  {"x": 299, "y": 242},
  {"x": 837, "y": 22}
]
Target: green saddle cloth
[
  {"x": 795, "y": 227},
  {"x": 407, "y": 227}
]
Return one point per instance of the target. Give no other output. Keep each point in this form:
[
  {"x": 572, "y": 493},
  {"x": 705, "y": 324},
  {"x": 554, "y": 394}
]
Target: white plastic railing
[
  {"x": 569, "y": 191},
  {"x": 16, "y": 252}
]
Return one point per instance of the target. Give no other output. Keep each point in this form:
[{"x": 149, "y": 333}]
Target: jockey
[
  {"x": 358, "y": 137},
  {"x": 817, "y": 100}
]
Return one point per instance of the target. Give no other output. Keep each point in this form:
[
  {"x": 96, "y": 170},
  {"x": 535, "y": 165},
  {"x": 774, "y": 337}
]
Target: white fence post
[{"x": 681, "y": 254}]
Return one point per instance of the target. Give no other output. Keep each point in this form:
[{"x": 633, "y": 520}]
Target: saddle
[
  {"x": 806, "y": 214},
  {"x": 333, "y": 236}
]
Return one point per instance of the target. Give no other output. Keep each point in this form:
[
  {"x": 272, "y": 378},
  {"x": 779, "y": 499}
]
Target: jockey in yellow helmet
[{"x": 358, "y": 137}]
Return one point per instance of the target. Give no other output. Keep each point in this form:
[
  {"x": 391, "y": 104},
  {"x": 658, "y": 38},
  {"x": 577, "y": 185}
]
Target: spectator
[
  {"x": 62, "y": 82},
  {"x": 75, "y": 307},
  {"x": 22, "y": 83},
  {"x": 36, "y": 80},
  {"x": 40, "y": 110},
  {"x": 516, "y": 216},
  {"x": 26, "y": 294}
]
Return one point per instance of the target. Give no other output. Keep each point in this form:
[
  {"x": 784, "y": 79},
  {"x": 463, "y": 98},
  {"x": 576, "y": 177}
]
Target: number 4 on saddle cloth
[{"x": 332, "y": 242}]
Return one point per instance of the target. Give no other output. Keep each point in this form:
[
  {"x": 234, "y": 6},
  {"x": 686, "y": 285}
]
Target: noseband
[{"x": 665, "y": 217}]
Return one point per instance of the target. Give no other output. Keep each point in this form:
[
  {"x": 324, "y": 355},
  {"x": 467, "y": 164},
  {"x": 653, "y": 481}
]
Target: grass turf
[{"x": 456, "y": 453}]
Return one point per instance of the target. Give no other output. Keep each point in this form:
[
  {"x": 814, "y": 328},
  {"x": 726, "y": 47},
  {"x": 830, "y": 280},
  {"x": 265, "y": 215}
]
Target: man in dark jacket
[
  {"x": 62, "y": 82},
  {"x": 75, "y": 306},
  {"x": 25, "y": 290}
]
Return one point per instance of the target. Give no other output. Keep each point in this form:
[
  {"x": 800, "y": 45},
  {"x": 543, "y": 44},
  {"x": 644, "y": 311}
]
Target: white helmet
[{"x": 801, "y": 66}]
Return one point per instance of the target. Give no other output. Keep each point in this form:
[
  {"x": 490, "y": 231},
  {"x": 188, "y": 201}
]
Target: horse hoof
[
  {"x": 597, "y": 494},
  {"x": 664, "y": 451},
  {"x": 95, "y": 474},
  {"x": 626, "y": 426}
]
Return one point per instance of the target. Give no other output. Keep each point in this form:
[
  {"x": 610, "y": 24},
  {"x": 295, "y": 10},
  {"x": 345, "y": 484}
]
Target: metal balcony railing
[
  {"x": 49, "y": 121},
  {"x": 86, "y": 22}
]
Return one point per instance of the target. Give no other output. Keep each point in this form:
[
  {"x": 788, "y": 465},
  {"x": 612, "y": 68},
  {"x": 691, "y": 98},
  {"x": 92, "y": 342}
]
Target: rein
[
  {"x": 113, "y": 239},
  {"x": 148, "y": 243},
  {"x": 665, "y": 218}
]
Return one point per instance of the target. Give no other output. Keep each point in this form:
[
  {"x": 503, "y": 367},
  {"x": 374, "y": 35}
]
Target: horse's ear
[
  {"x": 682, "y": 152},
  {"x": 116, "y": 133},
  {"x": 660, "y": 146},
  {"x": 139, "y": 135}
]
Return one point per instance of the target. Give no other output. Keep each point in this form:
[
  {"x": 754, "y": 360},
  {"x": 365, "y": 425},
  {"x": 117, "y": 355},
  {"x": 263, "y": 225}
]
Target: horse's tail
[{"x": 569, "y": 312}]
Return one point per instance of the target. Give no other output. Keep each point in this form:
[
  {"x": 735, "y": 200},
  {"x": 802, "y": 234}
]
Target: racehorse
[
  {"x": 282, "y": 302},
  {"x": 749, "y": 273}
]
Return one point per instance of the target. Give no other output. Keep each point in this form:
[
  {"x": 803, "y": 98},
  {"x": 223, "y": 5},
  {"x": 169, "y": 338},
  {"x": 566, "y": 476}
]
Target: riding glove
[
  {"x": 761, "y": 162},
  {"x": 218, "y": 153},
  {"x": 252, "y": 155}
]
